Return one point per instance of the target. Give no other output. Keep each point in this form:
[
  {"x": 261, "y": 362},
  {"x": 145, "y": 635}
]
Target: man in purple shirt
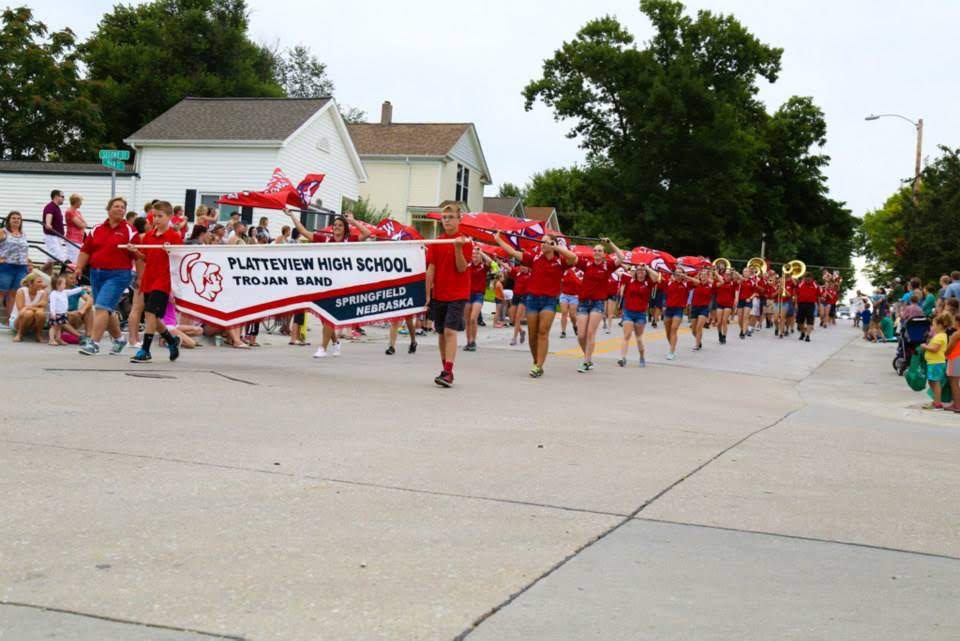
[{"x": 53, "y": 228}]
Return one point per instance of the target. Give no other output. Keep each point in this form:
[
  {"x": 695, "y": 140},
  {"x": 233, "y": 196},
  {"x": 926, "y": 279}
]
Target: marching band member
[
  {"x": 748, "y": 291},
  {"x": 726, "y": 289},
  {"x": 808, "y": 293},
  {"x": 546, "y": 266},
  {"x": 593, "y": 295},
  {"x": 638, "y": 284},
  {"x": 479, "y": 268},
  {"x": 677, "y": 291},
  {"x": 569, "y": 287},
  {"x": 703, "y": 291}
]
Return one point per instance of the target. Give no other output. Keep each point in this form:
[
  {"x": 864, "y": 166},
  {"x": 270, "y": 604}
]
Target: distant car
[{"x": 843, "y": 311}]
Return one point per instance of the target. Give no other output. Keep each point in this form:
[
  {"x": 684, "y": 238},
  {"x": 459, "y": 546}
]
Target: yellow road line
[{"x": 611, "y": 344}]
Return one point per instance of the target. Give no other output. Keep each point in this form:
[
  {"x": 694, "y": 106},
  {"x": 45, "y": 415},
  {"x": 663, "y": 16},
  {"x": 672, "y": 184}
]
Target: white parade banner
[{"x": 341, "y": 283}]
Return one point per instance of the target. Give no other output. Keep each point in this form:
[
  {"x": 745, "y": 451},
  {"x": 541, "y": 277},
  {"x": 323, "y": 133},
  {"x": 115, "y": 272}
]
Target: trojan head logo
[
  {"x": 205, "y": 277},
  {"x": 659, "y": 265}
]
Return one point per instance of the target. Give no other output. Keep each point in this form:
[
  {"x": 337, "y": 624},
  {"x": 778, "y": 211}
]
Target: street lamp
[{"x": 918, "y": 125}]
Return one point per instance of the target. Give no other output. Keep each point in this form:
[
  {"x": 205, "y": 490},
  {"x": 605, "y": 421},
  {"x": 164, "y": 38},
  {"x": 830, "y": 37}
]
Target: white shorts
[
  {"x": 756, "y": 307},
  {"x": 72, "y": 252},
  {"x": 508, "y": 294},
  {"x": 54, "y": 246}
]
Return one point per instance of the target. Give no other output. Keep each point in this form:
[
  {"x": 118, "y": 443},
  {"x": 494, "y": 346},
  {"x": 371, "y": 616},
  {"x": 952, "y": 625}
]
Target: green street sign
[
  {"x": 118, "y": 165},
  {"x": 114, "y": 154}
]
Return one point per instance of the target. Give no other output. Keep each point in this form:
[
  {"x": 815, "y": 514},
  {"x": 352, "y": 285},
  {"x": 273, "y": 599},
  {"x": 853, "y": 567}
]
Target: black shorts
[
  {"x": 833, "y": 310},
  {"x": 155, "y": 303},
  {"x": 806, "y": 313},
  {"x": 299, "y": 317},
  {"x": 447, "y": 314}
]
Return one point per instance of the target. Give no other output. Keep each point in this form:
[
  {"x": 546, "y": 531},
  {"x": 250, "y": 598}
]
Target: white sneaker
[
  {"x": 320, "y": 353},
  {"x": 671, "y": 356},
  {"x": 336, "y": 348}
]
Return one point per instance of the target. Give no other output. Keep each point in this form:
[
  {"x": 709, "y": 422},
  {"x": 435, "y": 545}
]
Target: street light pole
[{"x": 918, "y": 125}]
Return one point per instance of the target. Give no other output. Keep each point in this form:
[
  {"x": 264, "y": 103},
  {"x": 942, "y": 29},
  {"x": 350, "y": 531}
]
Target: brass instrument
[
  {"x": 795, "y": 268},
  {"x": 721, "y": 263},
  {"x": 759, "y": 265}
]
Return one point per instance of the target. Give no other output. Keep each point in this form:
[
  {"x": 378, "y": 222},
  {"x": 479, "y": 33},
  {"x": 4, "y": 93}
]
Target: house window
[
  {"x": 210, "y": 200},
  {"x": 463, "y": 184}
]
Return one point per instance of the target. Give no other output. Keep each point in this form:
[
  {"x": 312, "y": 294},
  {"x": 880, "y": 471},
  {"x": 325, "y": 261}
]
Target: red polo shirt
[
  {"x": 156, "y": 270},
  {"x": 101, "y": 246},
  {"x": 636, "y": 295},
  {"x": 546, "y": 274},
  {"x": 702, "y": 295},
  {"x": 478, "y": 278},
  {"x": 570, "y": 284},
  {"x": 448, "y": 283},
  {"x": 595, "y": 275},
  {"x": 807, "y": 292},
  {"x": 725, "y": 293},
  {"x": 677, "y": 292}
]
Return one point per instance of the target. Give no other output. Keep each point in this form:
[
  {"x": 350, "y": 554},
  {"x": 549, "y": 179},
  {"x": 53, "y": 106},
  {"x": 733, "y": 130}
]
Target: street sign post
[{"x": 113, "y": 158}]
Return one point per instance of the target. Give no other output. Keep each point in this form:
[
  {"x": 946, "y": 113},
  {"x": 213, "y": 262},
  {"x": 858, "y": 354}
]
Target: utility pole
[{"x": 916, "y": 169}]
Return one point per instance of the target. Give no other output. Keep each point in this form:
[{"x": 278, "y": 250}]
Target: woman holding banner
[
  {"x": 339, "y": 233},
  {"x": 593, "y": 297},
  {"x": 547, "y": 265}
]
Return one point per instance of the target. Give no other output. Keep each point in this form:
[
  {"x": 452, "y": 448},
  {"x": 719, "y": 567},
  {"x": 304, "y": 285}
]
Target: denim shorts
[
  {"x": 587, "y": 306},
  {"x": 569, "y": 299},
  {"x": 537, "y": 304},
  {"x": 476, "y": 297},
  {"x": 658, "y": 299},
  {"x": 744, "y": 304},
  {"x": 699, "y": 310},
  {"x": 10, "y": 276},
  {"x": 637, "y": 318},
  {"x": 108, "y": 286},
  {"x": 673, "y": 312}
]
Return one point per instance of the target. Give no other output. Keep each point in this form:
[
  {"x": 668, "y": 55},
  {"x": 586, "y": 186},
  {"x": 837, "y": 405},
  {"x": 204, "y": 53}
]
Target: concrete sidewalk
[{"x": 265, "y": 495}]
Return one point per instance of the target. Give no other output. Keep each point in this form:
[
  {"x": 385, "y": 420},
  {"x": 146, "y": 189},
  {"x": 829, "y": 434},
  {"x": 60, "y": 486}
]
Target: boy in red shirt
[
  {"x": 448, "y": 288},
  {"x": 153, "y": 266},
  {"x": 808, "y": 292}
]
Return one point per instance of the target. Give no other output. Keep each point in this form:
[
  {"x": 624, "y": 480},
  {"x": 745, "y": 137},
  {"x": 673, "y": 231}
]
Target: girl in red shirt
[
  {"x": 677, "y": 289},
  {"x": 569, "y": 288},
  {"x": 748, "y": 291},
  {"x": 638, "y": 284},
  {"x": 546, "y": 266},
  {"x": 593, "y": 296},
  {"x": 726, "y": 289},
  {"x": 703, "y": 291},
  {"x": 479, "y": 267}
]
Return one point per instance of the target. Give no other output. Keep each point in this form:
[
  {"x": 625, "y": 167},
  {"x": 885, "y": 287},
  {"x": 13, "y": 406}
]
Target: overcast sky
[{"x": 441, "y": 61}]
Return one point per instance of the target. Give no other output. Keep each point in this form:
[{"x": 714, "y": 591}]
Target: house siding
[
  {"x": 28, "y": 193},
  {"x": 467, "y": 152},
  {"x": 387, "y": 185},
  {"x": 301, "y": 156}
]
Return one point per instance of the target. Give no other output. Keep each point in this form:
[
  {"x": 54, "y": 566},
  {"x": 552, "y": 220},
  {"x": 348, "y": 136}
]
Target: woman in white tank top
[{"x": 29, "y": 311}]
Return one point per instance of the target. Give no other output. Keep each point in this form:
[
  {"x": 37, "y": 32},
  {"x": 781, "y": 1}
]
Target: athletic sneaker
[
  {"x": 470, "y": 347},
  {"x": 801, "y": 336},
  {"x": 536, "y": 371},
  {"x": 89, "y": 348},
  {"x": 513, "y": 342},
  {"x": 671, "y": 356},
  {"x": 583, "y": 369},
  {"x": 336, "y": 349},
  {"x": 523, "y": 336},
  {"x": 118, "y": 345},
  {"x": 413, "y": 348},
  {"x": 141, "y": 357},
  {"x": 444, "y": 379},
  {"x": 742, "y": 336},
  {"x": 697, "y": 347},
  {"x": 622, "y": 362},
  {"x": 390, "y": 351},
  {"x": 174, "y": 348},
  {"x": 643, "y": 362},
  {"x": 589, "y": 365},
  {"x": 807, "y": 338},
  {"x": 563, "y": 334},
  {"x": 320, "y": 353}
]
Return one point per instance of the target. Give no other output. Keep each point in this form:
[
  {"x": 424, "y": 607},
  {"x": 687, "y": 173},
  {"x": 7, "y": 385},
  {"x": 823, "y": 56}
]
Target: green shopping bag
[{"x": 916, "y": 374}]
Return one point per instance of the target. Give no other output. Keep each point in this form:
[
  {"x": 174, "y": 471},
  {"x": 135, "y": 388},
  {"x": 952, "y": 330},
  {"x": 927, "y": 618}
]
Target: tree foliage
[
  {"x": 143, "y": 59},
  {"x": 509, "y": 190},
  {"x": 907, "y": 238},
  {"x": 680, "y": 152},
  {"x": 44, "y": 114}
]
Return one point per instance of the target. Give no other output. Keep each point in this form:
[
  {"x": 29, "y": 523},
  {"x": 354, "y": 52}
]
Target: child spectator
[
  {"x": 935, "y": 351},
  {"x": 872, "y": 332},
  {"x": 59, "y": 305},
  {"x": 154, "y": 267},
  {"x": 953, "y": 365}
]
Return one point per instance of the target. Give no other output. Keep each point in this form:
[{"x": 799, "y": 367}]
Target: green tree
[
  {"x": 509, "y": 190},
  {"x": 302, "y": 75},
  {"x": 44, "y": 114},
  {"x": 363, "y": 210},
  {"x": 143, "y": 59},
  {"x": 880, "y": 238}
]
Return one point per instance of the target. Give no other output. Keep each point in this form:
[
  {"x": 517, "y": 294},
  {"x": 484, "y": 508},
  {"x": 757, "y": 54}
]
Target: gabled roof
[
  {"x": 406, "y": 139},
  {"x": 58, "y": 168},
  {"x": 229, "y": 119},
  {"x": 546, "y": 215},
  {"x": 511, "y": 206}
]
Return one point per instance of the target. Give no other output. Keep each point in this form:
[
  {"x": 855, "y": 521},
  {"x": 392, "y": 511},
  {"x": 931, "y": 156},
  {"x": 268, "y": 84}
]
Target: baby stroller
[{"x": 913, "y": 333}]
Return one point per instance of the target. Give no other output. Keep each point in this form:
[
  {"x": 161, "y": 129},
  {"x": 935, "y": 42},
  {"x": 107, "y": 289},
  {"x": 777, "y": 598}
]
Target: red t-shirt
[
  {"x": 636, "y": 294},
  {"x": 521, "y": 282},
  {"x": 807, "y": 292},
  {"x": 748, "y": 288},
  {"x": 156, "y": 269},
  {"x": 726, "y": 292},
  {"x": 594, "y": 285},
  {"x": 613, "y": 285},
  {"x": 546, "y": 274},
  {"x": 174, "y": 220},
  {"x": 702, "y": 295},
  {"x": 101, "y": 246},
  {"x": 322, "y": 237},
  {"x": 448, "y": 283},
  {"x": 677, "y": 292},
  {"x": 478, "y": 278},
  {"x": 831, "y": 296},
  {"x": 570, "y": 285}
]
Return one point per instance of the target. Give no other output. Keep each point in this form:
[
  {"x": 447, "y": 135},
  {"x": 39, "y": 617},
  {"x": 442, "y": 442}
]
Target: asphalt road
[{"x": 766, "y": 489}]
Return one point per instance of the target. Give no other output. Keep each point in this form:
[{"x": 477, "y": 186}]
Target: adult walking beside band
[
  {"x": 110, "y": 274},
  {"x": 547, "y": 265}
]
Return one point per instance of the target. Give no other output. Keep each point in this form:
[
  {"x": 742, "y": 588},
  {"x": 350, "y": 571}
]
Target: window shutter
[
  {"x": 190, "y": 204},
  {"x": 246, "y": 215}
]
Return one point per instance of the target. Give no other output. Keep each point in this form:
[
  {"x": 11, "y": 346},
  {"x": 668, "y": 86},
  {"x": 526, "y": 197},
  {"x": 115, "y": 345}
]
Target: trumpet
[
  {"x": 758, "y": 264},
  {"x": 721, "y": 264}
]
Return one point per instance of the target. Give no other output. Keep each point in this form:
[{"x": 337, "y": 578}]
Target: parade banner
[{"x": 341, "y": 283}]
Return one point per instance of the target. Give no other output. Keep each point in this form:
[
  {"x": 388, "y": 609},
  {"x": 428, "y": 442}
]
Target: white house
[
  {"x": 25, "y": 186},
  {"x": 414, "y": 167},
  {"x": 202, "y": 148}
]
